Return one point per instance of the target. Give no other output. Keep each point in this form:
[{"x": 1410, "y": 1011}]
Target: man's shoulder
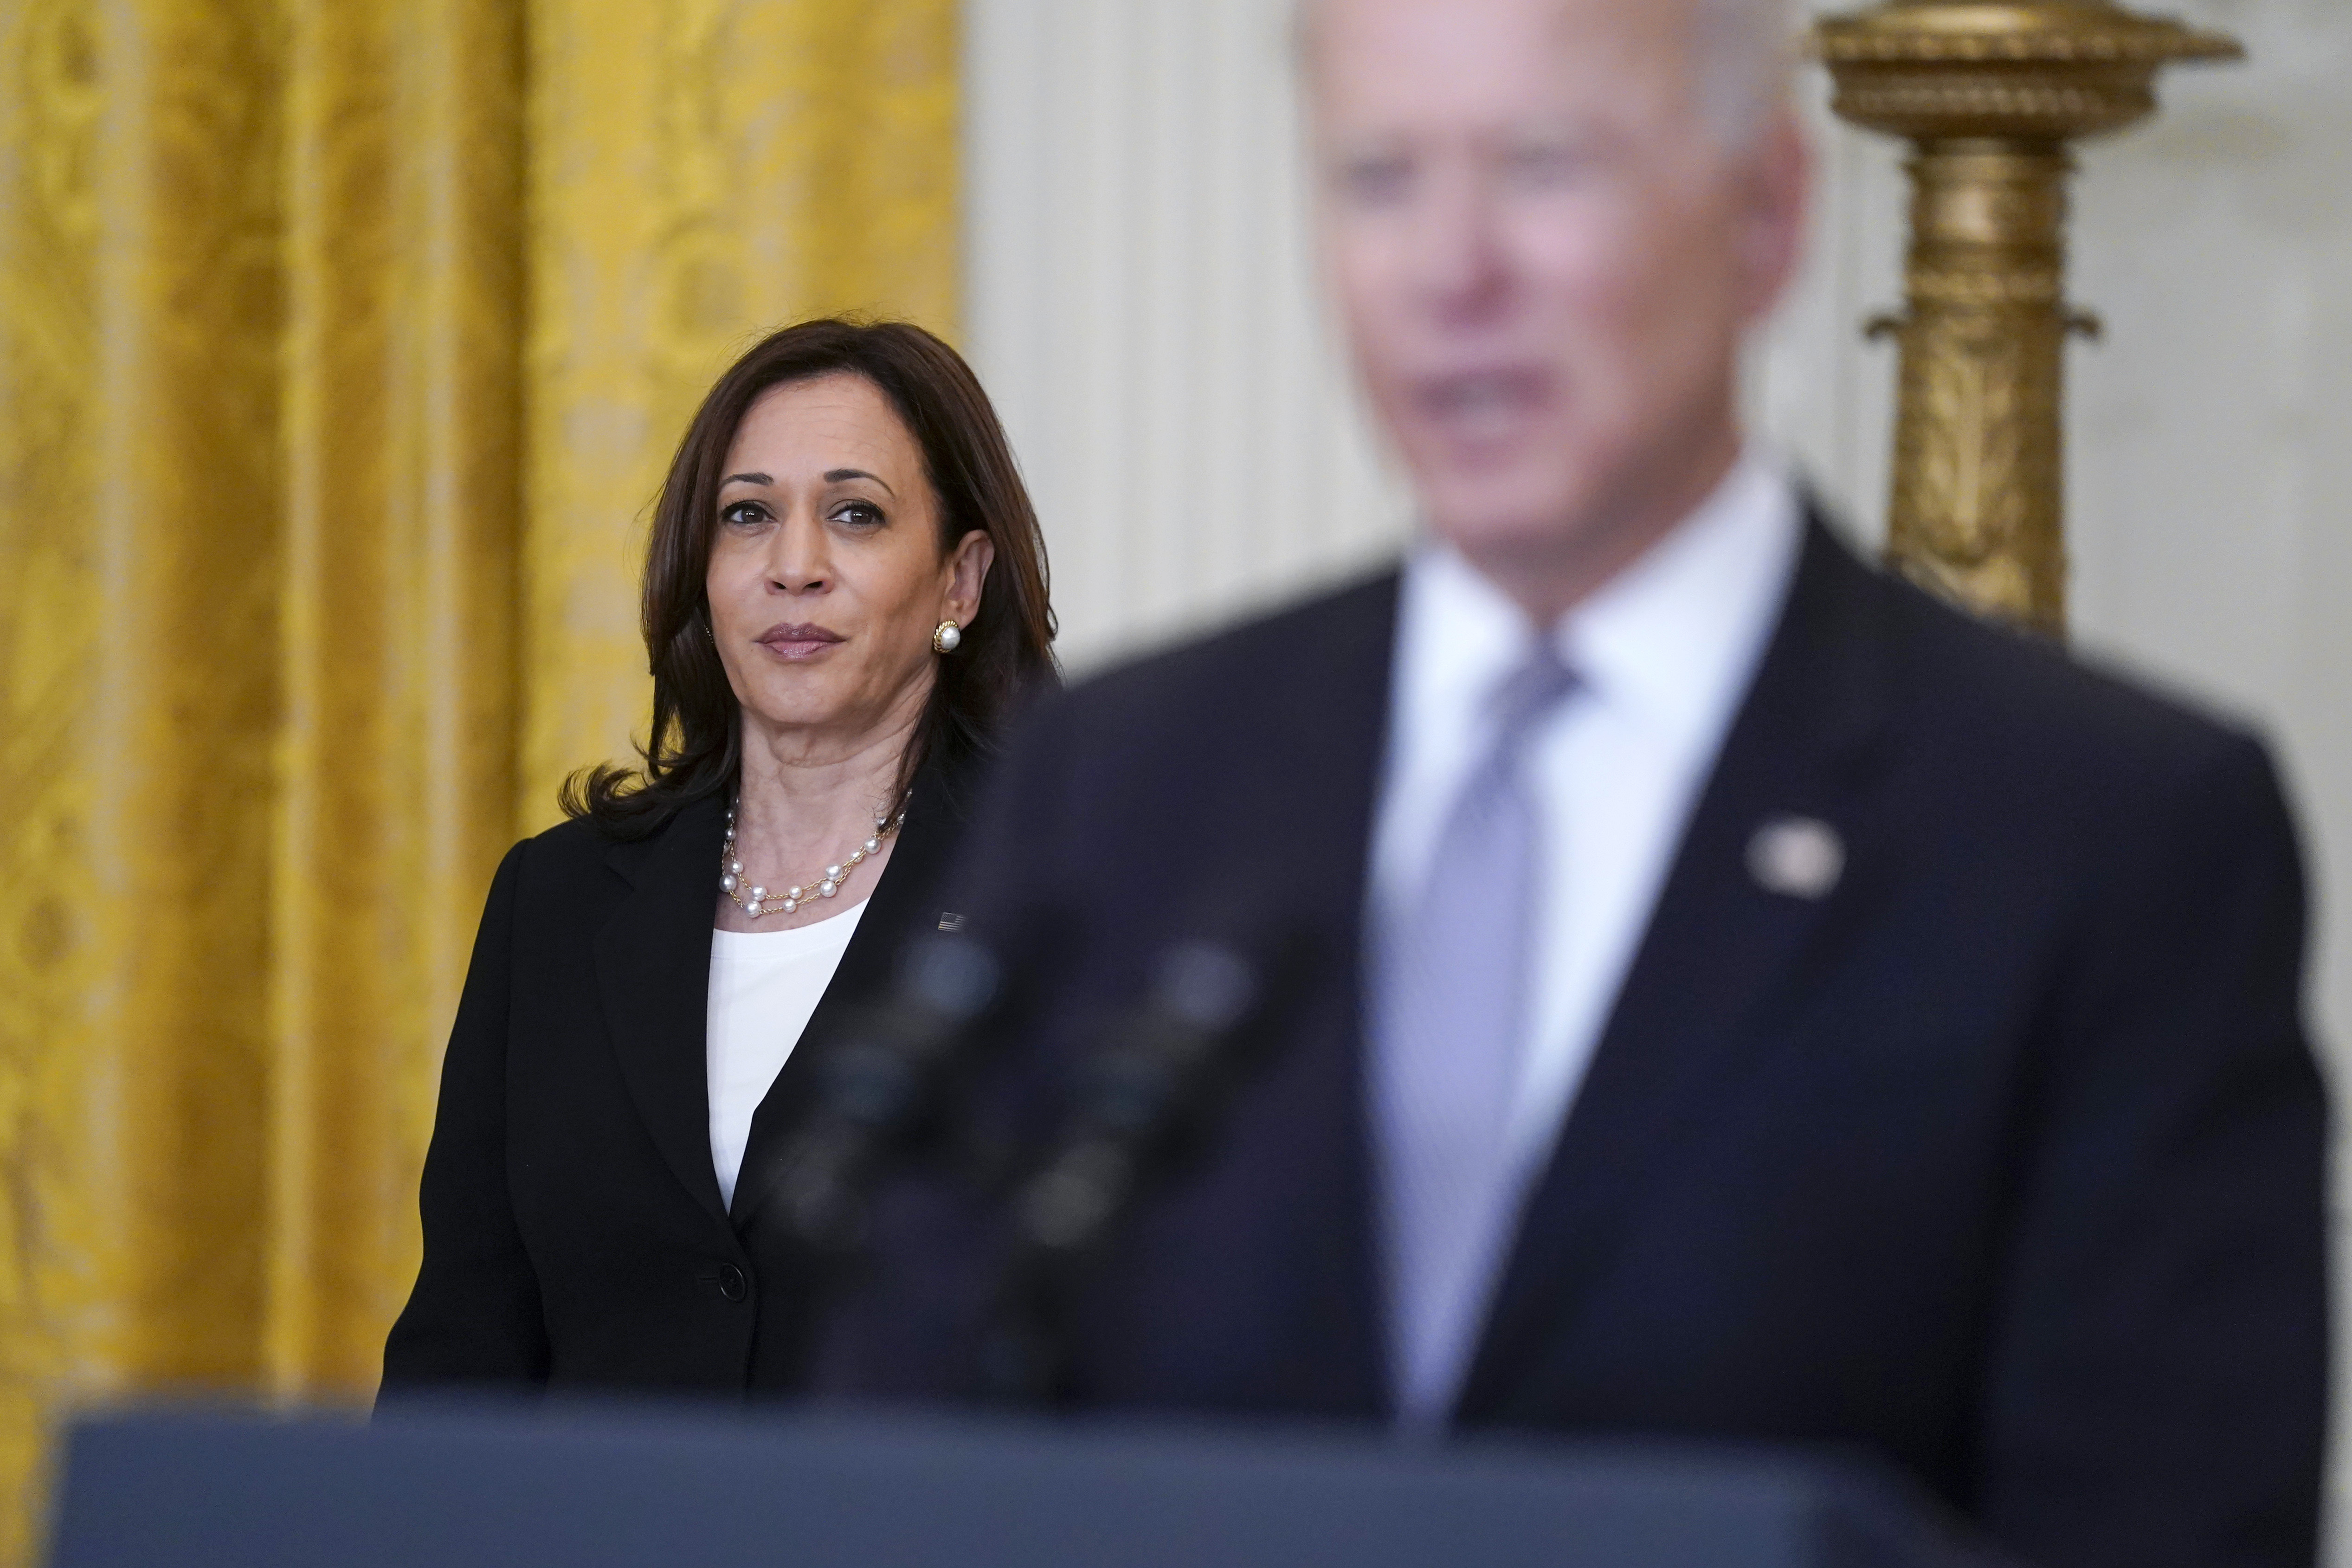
[
  {"x": 1269, "y": 670},
  {"x": 2005, "y": 711},
  {"x": 2001, "y": 704}
]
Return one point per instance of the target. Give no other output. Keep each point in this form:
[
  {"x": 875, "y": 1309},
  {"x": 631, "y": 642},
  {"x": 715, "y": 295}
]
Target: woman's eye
[
  {"x": 859, "y": 514},
  {"x": 744, "y": 514}
]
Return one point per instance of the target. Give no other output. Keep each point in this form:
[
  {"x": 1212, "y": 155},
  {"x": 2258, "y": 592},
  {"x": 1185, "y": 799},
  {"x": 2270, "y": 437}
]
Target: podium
[{"x": 606, "y": 1487}]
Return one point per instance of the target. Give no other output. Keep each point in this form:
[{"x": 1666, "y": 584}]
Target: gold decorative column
[{"x": 1989, "y": 95}]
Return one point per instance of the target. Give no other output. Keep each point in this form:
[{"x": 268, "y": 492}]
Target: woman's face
[{"x": 827, "y": 576}]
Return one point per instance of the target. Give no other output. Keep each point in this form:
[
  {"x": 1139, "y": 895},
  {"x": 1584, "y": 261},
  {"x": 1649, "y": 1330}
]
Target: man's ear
[
  {"x": 1778, "y": 190},
  {"x": 968, "y": 566}
]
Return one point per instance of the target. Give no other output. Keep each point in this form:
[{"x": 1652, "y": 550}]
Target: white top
[
  {"x": 1664, "y": 653},
  {"x": 763, "y": 986}
]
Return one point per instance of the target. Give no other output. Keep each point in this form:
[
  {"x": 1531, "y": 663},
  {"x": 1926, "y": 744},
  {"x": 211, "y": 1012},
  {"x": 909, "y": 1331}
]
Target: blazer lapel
[
  {"x": 653, "y": 975},
  {"x": 898, "y": 910},
  {"x": 1721, "y": 951}
]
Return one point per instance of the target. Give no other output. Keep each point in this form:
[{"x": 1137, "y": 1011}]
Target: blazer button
[{"x": 734, "y": 1283}]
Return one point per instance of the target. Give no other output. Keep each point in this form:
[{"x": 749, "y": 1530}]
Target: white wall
[{"x": 1140, "y": 302}]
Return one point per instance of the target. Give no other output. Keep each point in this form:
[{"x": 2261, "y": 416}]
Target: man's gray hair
[{"x": 1745, "y": 60}]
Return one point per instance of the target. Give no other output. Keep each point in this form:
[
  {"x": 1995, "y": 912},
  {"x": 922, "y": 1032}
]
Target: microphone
[
  {"x": 879, "y": 1083},
  {"x": 1140, "y": 1106}
]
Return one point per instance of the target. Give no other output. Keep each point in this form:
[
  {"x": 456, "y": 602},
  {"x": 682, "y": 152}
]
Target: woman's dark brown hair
[{"x": 696, "y": 742}]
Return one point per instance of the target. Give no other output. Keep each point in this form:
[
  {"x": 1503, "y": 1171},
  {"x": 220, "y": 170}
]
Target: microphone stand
[
  {"x": 881, "y": 1083},
  {"x": 1141, "y": 1106}
]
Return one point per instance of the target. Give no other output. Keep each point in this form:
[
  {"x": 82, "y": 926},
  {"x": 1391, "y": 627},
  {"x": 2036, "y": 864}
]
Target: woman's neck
[{"x": 804, "y": 803}]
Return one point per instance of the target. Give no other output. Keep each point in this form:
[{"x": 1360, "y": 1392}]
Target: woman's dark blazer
[{"x": 573, "y": 1233}]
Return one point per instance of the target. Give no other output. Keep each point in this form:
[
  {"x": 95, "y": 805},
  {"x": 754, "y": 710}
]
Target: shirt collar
[{"x": 1669, "y": 643}]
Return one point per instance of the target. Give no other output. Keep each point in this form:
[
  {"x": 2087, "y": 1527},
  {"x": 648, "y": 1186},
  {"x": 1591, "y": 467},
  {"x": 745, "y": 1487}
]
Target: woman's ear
[{"x": 967, "y": 572}]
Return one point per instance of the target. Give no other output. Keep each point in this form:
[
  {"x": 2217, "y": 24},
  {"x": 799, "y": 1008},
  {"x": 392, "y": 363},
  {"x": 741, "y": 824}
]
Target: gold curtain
[
  {"x": 342, "y": 348},
  {"x": 701, "y": 169}
]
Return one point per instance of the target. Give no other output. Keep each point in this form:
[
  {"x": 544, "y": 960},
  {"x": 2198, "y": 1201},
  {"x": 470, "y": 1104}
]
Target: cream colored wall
[{"x": 1140, "y": 302}]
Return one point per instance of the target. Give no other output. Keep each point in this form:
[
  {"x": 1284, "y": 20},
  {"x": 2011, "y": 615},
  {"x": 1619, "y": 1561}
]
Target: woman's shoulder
[
  {"x": 580, "y": 854},
  {"x": 574, "y": 841},
  {"x": 576, "y": 836}
]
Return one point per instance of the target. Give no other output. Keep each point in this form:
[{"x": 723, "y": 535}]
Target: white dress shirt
[
  {"x": 764, "y": 987},
  {"x": 1664, "y": 652}
]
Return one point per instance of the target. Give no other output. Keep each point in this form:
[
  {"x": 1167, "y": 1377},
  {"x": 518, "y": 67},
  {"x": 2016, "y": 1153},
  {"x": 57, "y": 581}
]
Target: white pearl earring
[{"x": 948, "y": 638}]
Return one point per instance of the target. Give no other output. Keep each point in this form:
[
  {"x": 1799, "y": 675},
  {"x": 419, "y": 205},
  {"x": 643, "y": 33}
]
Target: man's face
[{"x": 1546, "y": 258}]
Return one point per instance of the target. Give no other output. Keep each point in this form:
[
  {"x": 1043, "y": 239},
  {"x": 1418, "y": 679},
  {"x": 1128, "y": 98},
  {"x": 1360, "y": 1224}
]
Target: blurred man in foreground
[{"x": 1759, "y": 1002}]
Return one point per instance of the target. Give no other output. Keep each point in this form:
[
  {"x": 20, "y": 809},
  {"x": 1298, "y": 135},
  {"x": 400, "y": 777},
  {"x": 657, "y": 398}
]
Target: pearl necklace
[{"x": 757, "y": 902}]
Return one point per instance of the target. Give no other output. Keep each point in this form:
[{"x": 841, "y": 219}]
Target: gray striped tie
[{"x": 1449, "y": 1020}]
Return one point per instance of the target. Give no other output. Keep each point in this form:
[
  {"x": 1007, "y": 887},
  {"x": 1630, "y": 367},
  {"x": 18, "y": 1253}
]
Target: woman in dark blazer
[{"x": 845, "y": 592}]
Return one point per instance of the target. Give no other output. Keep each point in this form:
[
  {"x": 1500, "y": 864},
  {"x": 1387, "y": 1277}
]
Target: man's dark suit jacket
[
  {"x": 2003, "y": 1160},
  {"x": 573, "y": 1233}
]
